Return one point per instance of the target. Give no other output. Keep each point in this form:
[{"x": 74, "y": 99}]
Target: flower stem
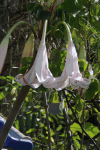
[{"x": 66, "y": 27}]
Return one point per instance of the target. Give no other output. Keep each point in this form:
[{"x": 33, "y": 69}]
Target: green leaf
[
  {"x": 4, "y": 78},
  {"x": 52, "y": 132},
  {"x": 8, "y": 89},
  {"x": 38, "y": 7},
  {"x": 96, "y": 68},
  {"x": 87, "y": 74},
  {"x": 62, "y": 66},
  {"x": 31, "y": 130},
  {"x": 59, "y": 128},
  {"x": 10, "y": 77},
  {"x": 99, "y": 87},
  {"x": 82, "y": 12},
  {"x": 86, "y": 114},
  {"x": 77, "y": 98},
  {"x": 82, "y": 65},
  {"x": 94, "y": 9},
  {"x": 76, "y": 142},
  {"x": 53, "y": 53},
  {"x": 56, "y": 66},
  {"x": 26, "y": 60},
  {"x": 71, "y": 6},
  {"x": 44, "y": 15},
  {"x": 42, "y": 88},
  {"x": 98, "y": 117},
  {"x": 91, "y": 129},
  {"x": 23, "y": 69},
  {"x": 59, "y": 34},
  {"x": 2, "y": 87},
  {"x": 82, "y": 22},
  {"x": 30, "y": 6},
  {"x": 29, "y": 97},
  {"x": 61, "y": 117},
  {"x": 92, "y": 90},
  {"x": 39, "y": 12},
  {"x": 41, "y": 125},
  {"x": 80, "y": 104},
  {"x": 73, "y": 21},
  {"x": 16, "y": 123},
  {"x": 75, "y": 127},
  {"x": 3, "y": 95},
  {"x": 55, "y": 98}
]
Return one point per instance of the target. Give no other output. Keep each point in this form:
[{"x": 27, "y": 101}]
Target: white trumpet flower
[{"x": 40, "y": 73}]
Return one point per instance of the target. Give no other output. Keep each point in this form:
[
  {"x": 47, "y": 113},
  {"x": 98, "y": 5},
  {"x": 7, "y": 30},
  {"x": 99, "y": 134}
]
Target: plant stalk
[
  {"x": 82, "y": 137},
  {"x": 47, "y": 119}
]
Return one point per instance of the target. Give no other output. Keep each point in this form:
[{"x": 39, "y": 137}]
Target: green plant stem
[
  {"x": 35, "y": 35},
  {"x": 65, "y": 140},
  {"x": 67, "y": 124},
  {"x": 66, "y": 27},
  {"x": 82, "y": 138},
  {"x": 47, "y": 119}
]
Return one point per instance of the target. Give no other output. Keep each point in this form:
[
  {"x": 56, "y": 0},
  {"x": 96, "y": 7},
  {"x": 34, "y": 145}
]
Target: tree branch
[
  {"x": 80, "y": 123},
  {"x": 67, "y": 124}
]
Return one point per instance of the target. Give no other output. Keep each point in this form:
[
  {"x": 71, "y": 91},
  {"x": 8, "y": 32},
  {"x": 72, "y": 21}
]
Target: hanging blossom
[{"x": 40, "y": 73}]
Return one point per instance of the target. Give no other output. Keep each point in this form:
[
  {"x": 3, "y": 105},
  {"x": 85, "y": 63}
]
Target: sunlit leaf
[
  {"x": 91, "y": 129},
  {"x": 75, "y": 127},
  {"x": 91, "y": 91},
  {"x": 94, "y": 9},
  {"x": 59, "y": 128}
]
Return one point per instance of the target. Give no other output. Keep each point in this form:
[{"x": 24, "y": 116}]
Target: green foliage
[
  {"x": 44, "y": 15},
  {"x": 96, "y": 68},
  {"x": 92, "y": 90},
  {"x": 83, "y": 22},
  {"x": 91, "y": 129},
  {"x": 71, "y": 6},
  {"x": 87, "y": 74},
  {"x": 59, "y": 34},
  {"x": 98, "y": 117},
  {"x": 54, "y": 97},
  {"x": 75, "y": 127},
  {"x": 38, "y": 10},
  {"x": 30, "y": 6},
  {"x": 79, "y": 103},
  {"x": 57, "y": 67},
  {"x": 94, "y": 10},
  {"x": 82, "y": 65},
  {"x": 25, "y": 61}
]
